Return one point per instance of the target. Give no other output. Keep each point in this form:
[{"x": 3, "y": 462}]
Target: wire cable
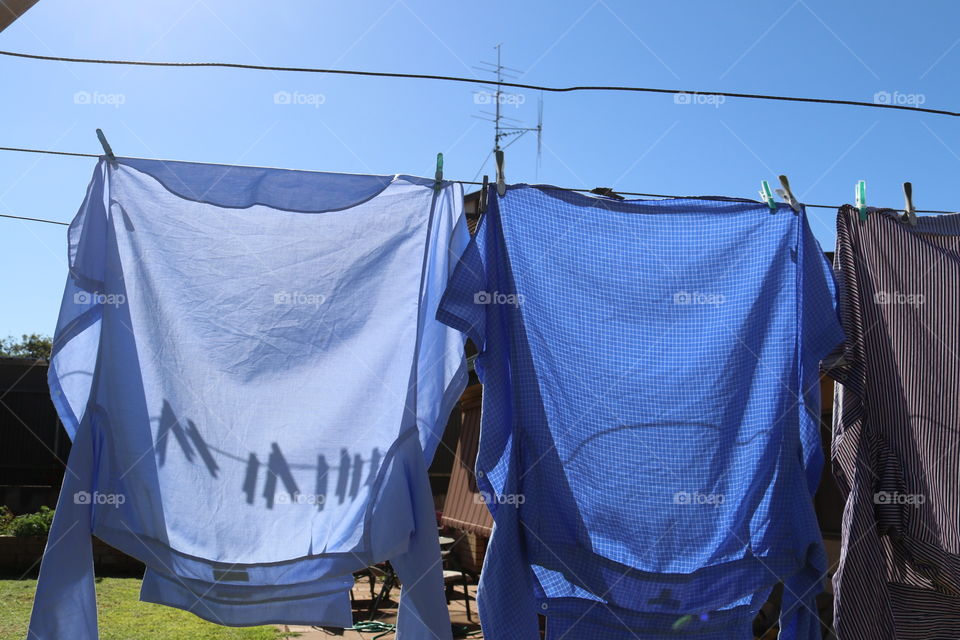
[
  {"x": 515, "y": 85},
  {"x": 4, "y": 215},
  {"x": 470, "y": 182}
]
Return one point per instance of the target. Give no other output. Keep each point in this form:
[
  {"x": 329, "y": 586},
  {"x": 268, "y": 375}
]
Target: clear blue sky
[{"x": 632, "y": 142}]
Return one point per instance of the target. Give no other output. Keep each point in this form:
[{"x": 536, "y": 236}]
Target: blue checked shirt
[{"x": 650, "y": 437}]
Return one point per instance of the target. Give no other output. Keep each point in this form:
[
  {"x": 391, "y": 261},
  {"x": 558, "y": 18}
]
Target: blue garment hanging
[
  {"x": 249, "y": 364},
  {"x": 650, "y": 429}
]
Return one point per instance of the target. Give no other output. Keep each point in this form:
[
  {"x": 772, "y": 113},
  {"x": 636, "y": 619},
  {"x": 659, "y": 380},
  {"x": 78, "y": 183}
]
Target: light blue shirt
[
  {"x": 650, "y": 439},
  {"x": 249, "y": 363}
]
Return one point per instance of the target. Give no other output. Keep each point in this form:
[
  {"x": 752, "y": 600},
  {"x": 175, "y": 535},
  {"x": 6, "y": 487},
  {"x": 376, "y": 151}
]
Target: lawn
[{"x": 123, "y": 616}]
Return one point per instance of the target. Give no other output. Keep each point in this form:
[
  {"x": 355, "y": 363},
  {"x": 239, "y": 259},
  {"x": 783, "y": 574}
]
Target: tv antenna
[{"x": 506, "y": 128}]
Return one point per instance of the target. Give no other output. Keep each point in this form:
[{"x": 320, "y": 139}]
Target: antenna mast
[{"x": 504, "y": 126}]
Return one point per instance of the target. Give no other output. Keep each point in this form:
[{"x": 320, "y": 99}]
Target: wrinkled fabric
[
  {"x": 650, "y": 439},
  {"x": 896, "y": 427},
  {"x": 249, "y": 364}
]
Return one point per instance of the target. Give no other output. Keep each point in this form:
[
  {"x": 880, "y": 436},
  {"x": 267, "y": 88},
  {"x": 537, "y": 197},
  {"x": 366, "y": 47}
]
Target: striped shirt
[{"x": 895, "y": 431}]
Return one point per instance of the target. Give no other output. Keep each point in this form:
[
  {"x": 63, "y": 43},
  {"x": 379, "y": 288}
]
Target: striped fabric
[{"x": 896, "y": 421}]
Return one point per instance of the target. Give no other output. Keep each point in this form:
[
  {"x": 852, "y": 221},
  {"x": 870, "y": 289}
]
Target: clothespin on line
[
  {"x": 608, "y": 192},
  {"x": 107, "y": 151},
  {"x": 787, "y": 195},
  {"x": 438, "y": 176},
  {"x": 861, "y": 199},
  {"x": 482, "y": 205},
  {"x": 501, "y": 181},
  {"x": 909, "y": 211},
  {"x": 767, "y": 196}
]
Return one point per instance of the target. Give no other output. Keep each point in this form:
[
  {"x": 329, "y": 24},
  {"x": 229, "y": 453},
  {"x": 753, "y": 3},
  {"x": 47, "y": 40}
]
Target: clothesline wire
[
  {"x": 514, "y": 85},
  {"x": 470, "y": 182}
]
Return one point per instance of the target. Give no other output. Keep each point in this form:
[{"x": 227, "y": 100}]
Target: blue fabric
[
  {"x": 249, "y": 364},
  {"x": 649, "y": 442}
]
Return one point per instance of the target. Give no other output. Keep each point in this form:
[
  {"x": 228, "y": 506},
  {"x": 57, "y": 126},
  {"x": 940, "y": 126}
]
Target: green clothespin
[
  {"x": 861, "y": 197},
  {"x": 438, "y": 176},
  {"x": 767, "y": 196}
]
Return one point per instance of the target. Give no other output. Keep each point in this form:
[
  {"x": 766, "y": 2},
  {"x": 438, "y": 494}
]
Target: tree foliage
[{"x": 28, "y": 346}]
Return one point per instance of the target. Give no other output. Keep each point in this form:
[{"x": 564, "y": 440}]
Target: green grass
[{"x": 123, "y": 617}]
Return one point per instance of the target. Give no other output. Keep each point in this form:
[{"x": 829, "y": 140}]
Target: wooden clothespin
[
  {"x": 107, "y": 151},
  {"x": 909, "y": 211},
  {"x": 501, "y": 181},
  {"x": 482, "y": 205}
]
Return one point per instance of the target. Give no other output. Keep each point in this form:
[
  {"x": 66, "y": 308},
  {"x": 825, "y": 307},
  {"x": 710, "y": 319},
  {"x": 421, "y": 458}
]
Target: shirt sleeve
[
  {"x": 821, "y": 333},
  {"x": 65, "y": 604},
  {"x": 463, "y": 305},
  {"x": 76, "y": 339},
  {"x": 405, "y": 504},
  {"x": 441, "y": 363}
]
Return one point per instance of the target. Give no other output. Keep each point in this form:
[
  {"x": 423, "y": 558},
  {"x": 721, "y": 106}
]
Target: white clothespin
[
  {"x": 909, "y": 211},
  {"x": 501, "y": 181},
  {"x": 787, "y": 195},
  {"x": 107, "y": 151},
  {"x": 767, "y": 196}
]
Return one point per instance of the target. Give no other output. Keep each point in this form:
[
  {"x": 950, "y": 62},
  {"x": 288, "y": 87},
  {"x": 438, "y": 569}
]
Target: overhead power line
[
  {"x": 516, "y": 85},
  {"x": 622, "y": 193}
]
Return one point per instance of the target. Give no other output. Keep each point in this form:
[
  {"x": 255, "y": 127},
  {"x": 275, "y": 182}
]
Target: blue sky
[{"x": 632, "y": 142}]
